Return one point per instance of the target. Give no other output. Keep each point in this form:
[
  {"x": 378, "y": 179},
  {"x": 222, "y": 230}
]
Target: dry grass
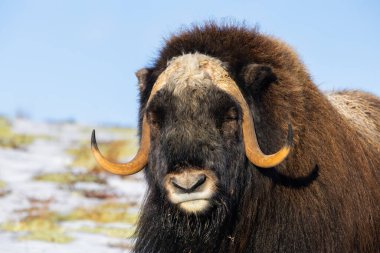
[
  {"x": 3, "y": 189},
  {"x": 2, "y": 184},
  {"x": 38, "y": 228},
  {"x": 104, "y": 213},
  {"x": 39, "y": 223},
  {"x": 110, "y": 231},
  {"x": 70, "y": 178},
  {"x": 10, "y": 139},
  {"x": 99, "y": 194}
]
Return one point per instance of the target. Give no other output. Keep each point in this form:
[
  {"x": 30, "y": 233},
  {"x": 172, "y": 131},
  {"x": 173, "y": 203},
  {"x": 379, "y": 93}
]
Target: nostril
[
  {"x": 200, "y": 180},
  {"x": 175, "y": 183},
  {"x": 187, "y": 187}
]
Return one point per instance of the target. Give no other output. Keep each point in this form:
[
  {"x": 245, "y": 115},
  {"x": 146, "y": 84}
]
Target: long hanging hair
[{"x": 323, "y": 198}]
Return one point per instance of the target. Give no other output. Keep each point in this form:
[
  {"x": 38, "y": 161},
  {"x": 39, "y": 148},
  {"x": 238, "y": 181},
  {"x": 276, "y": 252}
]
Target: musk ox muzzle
[
  {"x": 222, "y": 80},
  {"x": 191, "y": 189}
]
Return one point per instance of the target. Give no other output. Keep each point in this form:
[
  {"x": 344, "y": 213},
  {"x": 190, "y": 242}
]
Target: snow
[{"x": 18, "y": 169}]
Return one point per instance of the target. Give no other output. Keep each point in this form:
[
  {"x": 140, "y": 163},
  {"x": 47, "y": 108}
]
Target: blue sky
[{"x": 76, "y": 59}]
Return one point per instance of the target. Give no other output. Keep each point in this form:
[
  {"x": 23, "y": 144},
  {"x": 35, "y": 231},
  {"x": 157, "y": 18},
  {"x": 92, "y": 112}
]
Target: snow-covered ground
[{"x": 40, "y": 213}]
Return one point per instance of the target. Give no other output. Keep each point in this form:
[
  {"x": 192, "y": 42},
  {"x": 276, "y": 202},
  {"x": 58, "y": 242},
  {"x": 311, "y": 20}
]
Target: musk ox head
[{"x": 197, "y": 133}]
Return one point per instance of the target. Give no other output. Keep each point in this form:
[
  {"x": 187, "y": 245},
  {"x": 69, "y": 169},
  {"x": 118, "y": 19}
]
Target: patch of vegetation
[
  {"x": 39, "y": 223},
  {"x": 3, "y": 189},
  {"x": 110, "y": 231},
  {"x": 70, "y": 178},
  {"x": 98, "y": 194},
  {"x": 103, "y": 213},
  {"x": 38, "y": 228},
  {"x": 10, "y": 139}
]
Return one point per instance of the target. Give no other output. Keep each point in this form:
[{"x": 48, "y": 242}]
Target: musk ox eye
[
  {"x": 155, "y": 118},
  {"x": 230, "y": 122},
  {"x": 231, "y": 114}
]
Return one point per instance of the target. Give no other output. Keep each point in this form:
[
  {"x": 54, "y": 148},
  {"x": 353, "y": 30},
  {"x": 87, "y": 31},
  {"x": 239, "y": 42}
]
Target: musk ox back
[{"x": 242, "y": 152}]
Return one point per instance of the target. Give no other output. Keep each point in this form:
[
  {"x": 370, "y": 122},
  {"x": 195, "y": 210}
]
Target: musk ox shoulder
[{"x": 243, "y": 153}]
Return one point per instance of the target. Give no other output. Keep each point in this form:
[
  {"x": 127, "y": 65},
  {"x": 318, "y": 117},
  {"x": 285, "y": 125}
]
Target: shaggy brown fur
[{"x": 325, "y": 197}]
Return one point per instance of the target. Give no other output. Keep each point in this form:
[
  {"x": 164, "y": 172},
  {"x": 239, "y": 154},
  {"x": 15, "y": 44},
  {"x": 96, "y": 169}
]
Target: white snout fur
[{"x": 195, "y": 201}]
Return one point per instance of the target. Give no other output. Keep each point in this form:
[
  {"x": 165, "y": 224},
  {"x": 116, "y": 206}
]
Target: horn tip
[{"x": 93, "y": 140}]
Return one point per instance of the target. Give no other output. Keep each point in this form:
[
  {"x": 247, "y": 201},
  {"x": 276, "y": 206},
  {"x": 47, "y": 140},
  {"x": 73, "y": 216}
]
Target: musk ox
[{"x": 243, "y": 153}]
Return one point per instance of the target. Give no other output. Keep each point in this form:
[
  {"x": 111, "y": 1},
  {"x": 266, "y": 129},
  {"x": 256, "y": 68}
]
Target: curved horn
[
  {"x": 141, "y": 158},
  {"x": 252, "y": 148},
  {"x": 135, "y": 165}
]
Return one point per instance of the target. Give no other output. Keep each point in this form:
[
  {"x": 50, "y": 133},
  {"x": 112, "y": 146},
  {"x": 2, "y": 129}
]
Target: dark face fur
[
  {"x": 196, "y": 137},
  {"x": 196, "y": 165}
]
